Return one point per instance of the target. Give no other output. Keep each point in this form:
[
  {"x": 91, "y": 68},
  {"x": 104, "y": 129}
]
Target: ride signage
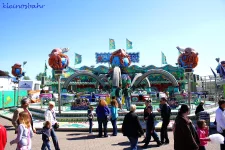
[{"x": 105, "y": 57}]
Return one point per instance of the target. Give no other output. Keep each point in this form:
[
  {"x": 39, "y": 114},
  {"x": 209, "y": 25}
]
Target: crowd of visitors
[{"x": 186, "y": 135}]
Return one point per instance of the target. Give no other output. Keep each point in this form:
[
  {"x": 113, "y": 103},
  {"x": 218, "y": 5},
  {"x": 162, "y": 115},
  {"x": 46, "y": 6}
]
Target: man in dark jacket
[
  {"x": 165, "y": 114},
  {"x": 150, "y": 128},
  {"x": 132, "y": 128},
  {"x": 147, "y": 104},
  {"x": 199, "y": 108},
  {"x": 185, "y": 135}
]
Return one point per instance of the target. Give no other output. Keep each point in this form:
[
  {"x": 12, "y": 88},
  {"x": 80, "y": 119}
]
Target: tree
[
  {"x": 26, "y": 78},
  {"x": 38, "y": 76}
]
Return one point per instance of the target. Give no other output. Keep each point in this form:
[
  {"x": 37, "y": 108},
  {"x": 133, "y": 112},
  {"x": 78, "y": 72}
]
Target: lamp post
[{"x": 58, "y": 74}]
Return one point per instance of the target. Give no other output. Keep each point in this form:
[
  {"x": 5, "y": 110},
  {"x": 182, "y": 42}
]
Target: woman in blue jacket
[
  {"x": 114, "y": 116},
  {"x": 103, "y": 113}
]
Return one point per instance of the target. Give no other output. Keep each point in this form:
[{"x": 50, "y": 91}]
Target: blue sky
[{"x": 85, "y": 26}]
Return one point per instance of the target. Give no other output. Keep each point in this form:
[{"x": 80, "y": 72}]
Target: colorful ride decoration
[
  {"x": 57, "y": 59},
  {"x": 221, "y": 69},
  {"x": 120, "y": 58},
  {"x": 17, "y": 70},
  {"x": 188, "y": 59}
]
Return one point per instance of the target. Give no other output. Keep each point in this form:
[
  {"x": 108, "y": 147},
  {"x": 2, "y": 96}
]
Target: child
[
  {"x": 203, "y": 132},
  {"x": 46, "y": 133},
  {"x": 150, "y": 128},
  {"x": 90, "y": 118},
  {"x": 24, "y": 133},
  {"x": 114, "y": 116}
]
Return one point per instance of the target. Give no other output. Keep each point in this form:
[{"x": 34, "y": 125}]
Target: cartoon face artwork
[
  {"x": 188, "y": 59},
  {"x": 120, "y": 58},
  {"x": 16, "y": 70},
  {"x": 57, "y": 60}
]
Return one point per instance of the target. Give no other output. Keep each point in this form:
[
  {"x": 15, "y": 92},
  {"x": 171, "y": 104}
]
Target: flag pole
[{"x": 161, "y": 58}]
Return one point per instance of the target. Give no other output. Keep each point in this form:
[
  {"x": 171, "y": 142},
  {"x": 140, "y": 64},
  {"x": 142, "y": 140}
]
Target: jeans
[
  {"x": 163, "y": 131},
  {"x": 90, "y": 125},
  {"x": 54, "y": 139},
  {"x": 103, "y": 122},
  {"x": 128, "y": 102},
  {"x": 119, "y": 100},
  {"x": 201, "y": 148},
  {"x": 114, "y": 126},
  {"x": 45, "y": 144},
  {"x": 154, "y": 135},
  {"x": 133, "y": 142}
]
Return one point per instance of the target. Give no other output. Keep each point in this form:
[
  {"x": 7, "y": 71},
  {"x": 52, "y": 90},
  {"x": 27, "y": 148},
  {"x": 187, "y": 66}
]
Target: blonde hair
[
  {"x": 102, "y": 102},
  {"x": 24, "y": 118},
  {"x": 133, "y": 108},
  {"x": 51, "y": 103}
]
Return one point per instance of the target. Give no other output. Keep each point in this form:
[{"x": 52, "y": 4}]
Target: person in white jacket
[
  {"x": 220, "y": 120},
  {"x": 50, "y": 116}
]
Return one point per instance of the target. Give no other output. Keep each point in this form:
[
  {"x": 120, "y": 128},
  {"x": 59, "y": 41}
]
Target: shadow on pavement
[
  {"x": 9, "y": 127},
  {"x": 73, "y": 134},
  {"x": 87, "y": 137},
  {"x": 122, "y": 144}
]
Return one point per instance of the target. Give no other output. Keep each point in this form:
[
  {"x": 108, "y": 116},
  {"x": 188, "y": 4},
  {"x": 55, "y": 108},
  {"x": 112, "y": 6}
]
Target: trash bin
[{"x": 204, "y": 115}]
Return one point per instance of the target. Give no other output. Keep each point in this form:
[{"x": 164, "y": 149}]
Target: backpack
[
  {"x": 125, "y": 92},
  {"x": 117, "y": 92}
]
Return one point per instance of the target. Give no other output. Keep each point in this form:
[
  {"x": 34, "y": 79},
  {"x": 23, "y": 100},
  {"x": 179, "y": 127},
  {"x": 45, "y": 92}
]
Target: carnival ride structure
[{"x": 108, "y": 79}]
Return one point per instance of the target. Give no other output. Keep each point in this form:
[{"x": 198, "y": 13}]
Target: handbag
[{"x": 56, "y": 126}]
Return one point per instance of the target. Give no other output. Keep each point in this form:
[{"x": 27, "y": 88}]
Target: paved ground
[{"x": 82, "y": 141}]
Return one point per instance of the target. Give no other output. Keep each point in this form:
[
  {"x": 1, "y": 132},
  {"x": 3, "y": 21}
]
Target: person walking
[
  {"x": 185, "y": 134},
  {"x": 24, "y": 107},
  {"x": 24, "y": 132},
  {"x": 90, "y": 118},
  {"x": 127, "y": 96},
  {"x": 150, "y": 125},
  {"x": 46, "y": 133},
  {"x": 114, "y": 116},
  {"x": 220, "y": 120},
  {"x": 131, "y": 127},
  {"x": 3, "y": 137},
  {"x": 165, "y": 114},
  {"x": 50, "y": 116},
  {"x": 147, "y": 104},
  {"x": 103, "y": 113}
]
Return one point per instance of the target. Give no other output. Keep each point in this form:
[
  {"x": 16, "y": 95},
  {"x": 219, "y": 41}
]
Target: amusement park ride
[
  {"x": 120, "y": 72},
  {"x": 102, "y": 80}
]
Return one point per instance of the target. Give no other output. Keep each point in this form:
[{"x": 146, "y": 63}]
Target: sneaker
[
  {"x": 144, "y": 146},
  {"x": 159, "y": 144},
  {"x": 106, "y": 136},
  {"x": 143, "y": 141},
  {"x": 91, "y": 133},
  {"x": 167, "y": 142}
]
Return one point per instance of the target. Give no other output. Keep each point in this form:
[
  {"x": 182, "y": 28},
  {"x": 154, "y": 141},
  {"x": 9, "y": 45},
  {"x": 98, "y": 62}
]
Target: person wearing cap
[
  {"x": 165, "y": 111},
  {"x": 150, "y": 128},
  {"x": 24, "y": 107},
  {"x": 50, "y": 116}
]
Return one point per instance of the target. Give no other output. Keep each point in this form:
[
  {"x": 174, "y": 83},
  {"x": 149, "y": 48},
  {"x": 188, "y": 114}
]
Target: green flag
[
  {"x": 129, "y": 44},
  {"x": 46, "y": 67},
  {"x": 164, "y": 59},
  {"x": 78, "y": 59},
  {"x": 112, "y": 44}
]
